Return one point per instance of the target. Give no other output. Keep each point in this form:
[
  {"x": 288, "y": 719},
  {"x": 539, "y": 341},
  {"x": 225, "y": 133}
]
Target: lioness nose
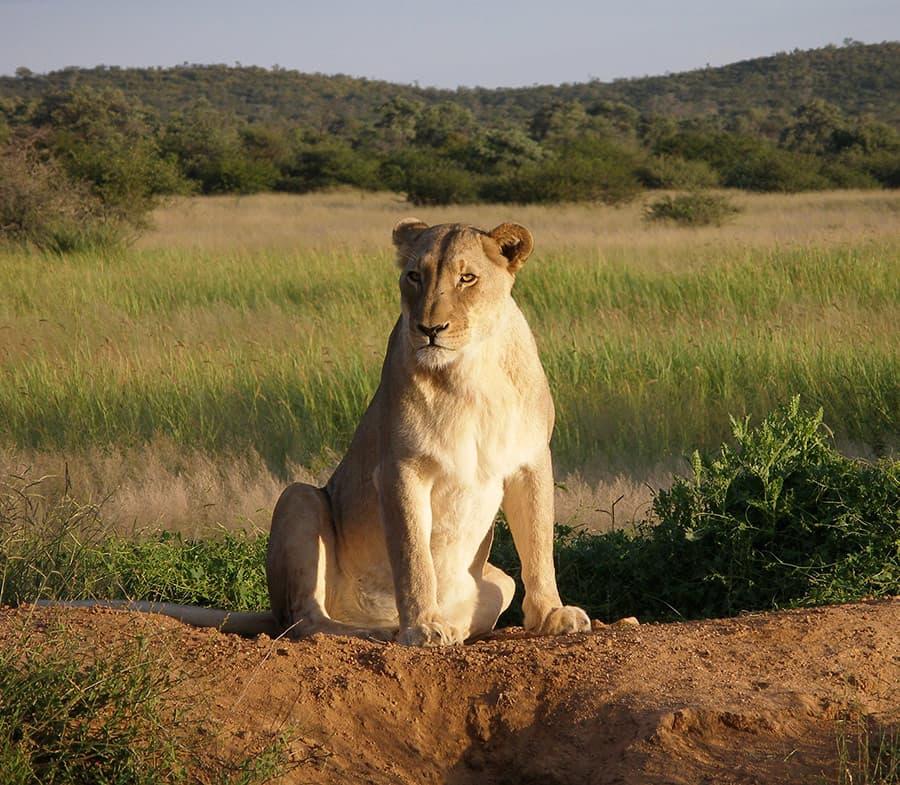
[{"x": 431, "y": 332}]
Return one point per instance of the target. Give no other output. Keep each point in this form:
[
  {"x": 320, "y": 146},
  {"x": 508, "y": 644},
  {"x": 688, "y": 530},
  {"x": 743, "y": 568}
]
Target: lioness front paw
[
  {"x": 430, "y": 633},
  {"x": 564, "y": 620}
]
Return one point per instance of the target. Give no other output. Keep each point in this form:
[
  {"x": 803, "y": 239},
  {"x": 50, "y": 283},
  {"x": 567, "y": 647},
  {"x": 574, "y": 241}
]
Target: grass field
[{"x": 238, "y": 342}]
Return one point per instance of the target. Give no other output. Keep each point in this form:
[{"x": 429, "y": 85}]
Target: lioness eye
[
  {"x": 414, "y": 276},
  {"x": 467, "y": 277}
]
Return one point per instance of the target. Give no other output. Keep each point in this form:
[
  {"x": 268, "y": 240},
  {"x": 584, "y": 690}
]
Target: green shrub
[
  {"x": 783, "y": 518},
  {"x": 41, "y": 205},
  {"x": 883, "y": 166},
  {"x": 779, "y": 519},
  {"x": 692, "y": 209},
  {"x": 429, "y": 179},
  {"x": 747, "y": 162},
  {"x": 326, "y": 164},
  {"x": 587, "y": 169},
  {"x": 67, "y": 719},
  {"x": 61, "y": 549},
  {"x": 107, "y": 141},
  {"x": 772, "y": 169},
  {"x": 212, "y": 152}
]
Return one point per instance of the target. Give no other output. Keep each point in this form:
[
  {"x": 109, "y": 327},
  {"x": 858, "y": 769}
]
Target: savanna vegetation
[
  {"x": 154, "y": 398},
  {"x": 86, "y": 151},
  {"x": 164, "y": 371},
  {"x": 776, "y": 518}
]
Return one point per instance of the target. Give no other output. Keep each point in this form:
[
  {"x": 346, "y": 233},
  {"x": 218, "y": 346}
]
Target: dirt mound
[{"x": 747, "y": 700}]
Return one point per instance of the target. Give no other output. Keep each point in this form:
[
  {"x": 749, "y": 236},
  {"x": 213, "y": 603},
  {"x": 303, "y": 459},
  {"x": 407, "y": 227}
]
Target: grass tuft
[{"x": 868, "y": 752}]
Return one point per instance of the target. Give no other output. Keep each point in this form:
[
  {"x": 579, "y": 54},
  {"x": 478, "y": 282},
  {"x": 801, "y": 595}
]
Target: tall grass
[{"x": 279, "y": 352}]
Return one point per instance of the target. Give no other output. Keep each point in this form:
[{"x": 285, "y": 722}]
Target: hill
[
  {"x": 856, "y": 78},
  {"x": 815, "y": 120}
]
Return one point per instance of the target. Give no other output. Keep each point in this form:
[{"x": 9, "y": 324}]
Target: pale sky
[{"x": 445, "y": 44}]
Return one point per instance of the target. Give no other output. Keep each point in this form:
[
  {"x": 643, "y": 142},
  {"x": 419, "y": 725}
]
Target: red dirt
[{"x": 754, "y": 699}]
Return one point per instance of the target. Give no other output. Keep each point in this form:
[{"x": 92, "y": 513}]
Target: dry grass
[
  {"x": 160, "y": 486},
  {"x": 236, "y": 345},
  {"x": 356, "y": 220}
]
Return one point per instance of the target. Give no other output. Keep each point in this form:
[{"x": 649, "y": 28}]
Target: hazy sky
[{"x": 447, "y": 43}]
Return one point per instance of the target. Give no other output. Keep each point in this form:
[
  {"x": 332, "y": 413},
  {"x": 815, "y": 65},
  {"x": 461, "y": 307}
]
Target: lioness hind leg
[
  {"x": 300, "y": 565},
  {"x": 495, "y": 593}
]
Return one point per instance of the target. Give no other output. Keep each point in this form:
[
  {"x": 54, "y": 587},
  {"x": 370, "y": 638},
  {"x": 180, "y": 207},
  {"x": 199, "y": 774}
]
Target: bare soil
[{"x": 755, "y": 699}]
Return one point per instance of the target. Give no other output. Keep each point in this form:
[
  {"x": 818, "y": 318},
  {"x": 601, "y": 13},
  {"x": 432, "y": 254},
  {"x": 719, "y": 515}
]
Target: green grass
[
  {"x": 68, "y": 721},
  {"x": 280, "y": 352},
  {"x": 868, "y": 752},
  {"x": 69, "y": 717}
]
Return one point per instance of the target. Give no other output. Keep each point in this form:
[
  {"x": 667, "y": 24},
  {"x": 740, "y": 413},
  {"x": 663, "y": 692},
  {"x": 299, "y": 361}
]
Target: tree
[
  {"x": 210, "y": 148},
  {"x": 558, "y": 122},
  {"x": 397, "y": 122},
  {"x": 444, "y": 125},
  {"x": 107, "y": 140},
  {"x": 818, "y": 128}
]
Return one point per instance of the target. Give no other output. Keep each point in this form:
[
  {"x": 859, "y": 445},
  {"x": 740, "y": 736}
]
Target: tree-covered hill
[
  {"x": 82, "y": 147},
  {"x": 856, "y": 78}
]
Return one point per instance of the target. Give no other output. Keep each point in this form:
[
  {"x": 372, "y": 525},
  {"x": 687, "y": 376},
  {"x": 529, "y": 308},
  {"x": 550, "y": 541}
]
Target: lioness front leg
[
  {"x": 528, "y": 504},
  {"x": 405, "y": 500}
]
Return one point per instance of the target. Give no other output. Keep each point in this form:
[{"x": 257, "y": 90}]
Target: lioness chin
[{"x": 396, "y": 545}]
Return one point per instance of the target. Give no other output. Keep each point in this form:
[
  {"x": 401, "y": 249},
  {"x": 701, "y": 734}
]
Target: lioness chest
[{"x": 471, "y": 440}]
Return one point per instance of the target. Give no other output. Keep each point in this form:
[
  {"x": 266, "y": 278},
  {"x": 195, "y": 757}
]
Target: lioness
[{"x": 395, "y": 546}]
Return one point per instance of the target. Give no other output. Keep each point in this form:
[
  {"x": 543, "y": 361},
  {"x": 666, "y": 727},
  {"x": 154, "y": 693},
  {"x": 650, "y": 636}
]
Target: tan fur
[{"x": 396, "y": 544}]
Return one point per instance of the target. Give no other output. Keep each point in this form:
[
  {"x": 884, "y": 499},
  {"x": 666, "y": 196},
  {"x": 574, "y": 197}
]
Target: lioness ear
[
  {"x": 516, "y": 244},
  {"x": 406, "y": 230}
]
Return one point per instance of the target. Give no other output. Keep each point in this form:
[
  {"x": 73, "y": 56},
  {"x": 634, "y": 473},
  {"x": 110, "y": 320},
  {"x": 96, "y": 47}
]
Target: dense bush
[
  {"x": 692, "y": 209},
  {"x": 782, "y": 518},
  {"x": 324, "y": 164},
  {"x": 83, "y": 172},
  {"x": 587, "y": 169},
  {"x": 210, "y": 150},
  {"x": 430, "y": 179},
  {"x": 779, "y": 519},
  {"x": 109, "y": 142},
  {"x": 41, "y": 205},
  {"x": 664, "y": 171},
  {"x": 768, "y": 168},
  {"x": 440, "y": 151}
]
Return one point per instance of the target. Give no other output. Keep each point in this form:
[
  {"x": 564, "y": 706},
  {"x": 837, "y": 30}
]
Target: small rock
[
  {"x": 629, "y": 620},
  {"x": 282, "y": 651},
  {"x": 596, "y": 624}
]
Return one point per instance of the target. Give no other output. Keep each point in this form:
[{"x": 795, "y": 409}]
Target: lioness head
[{"x": 454, "y": 282}]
